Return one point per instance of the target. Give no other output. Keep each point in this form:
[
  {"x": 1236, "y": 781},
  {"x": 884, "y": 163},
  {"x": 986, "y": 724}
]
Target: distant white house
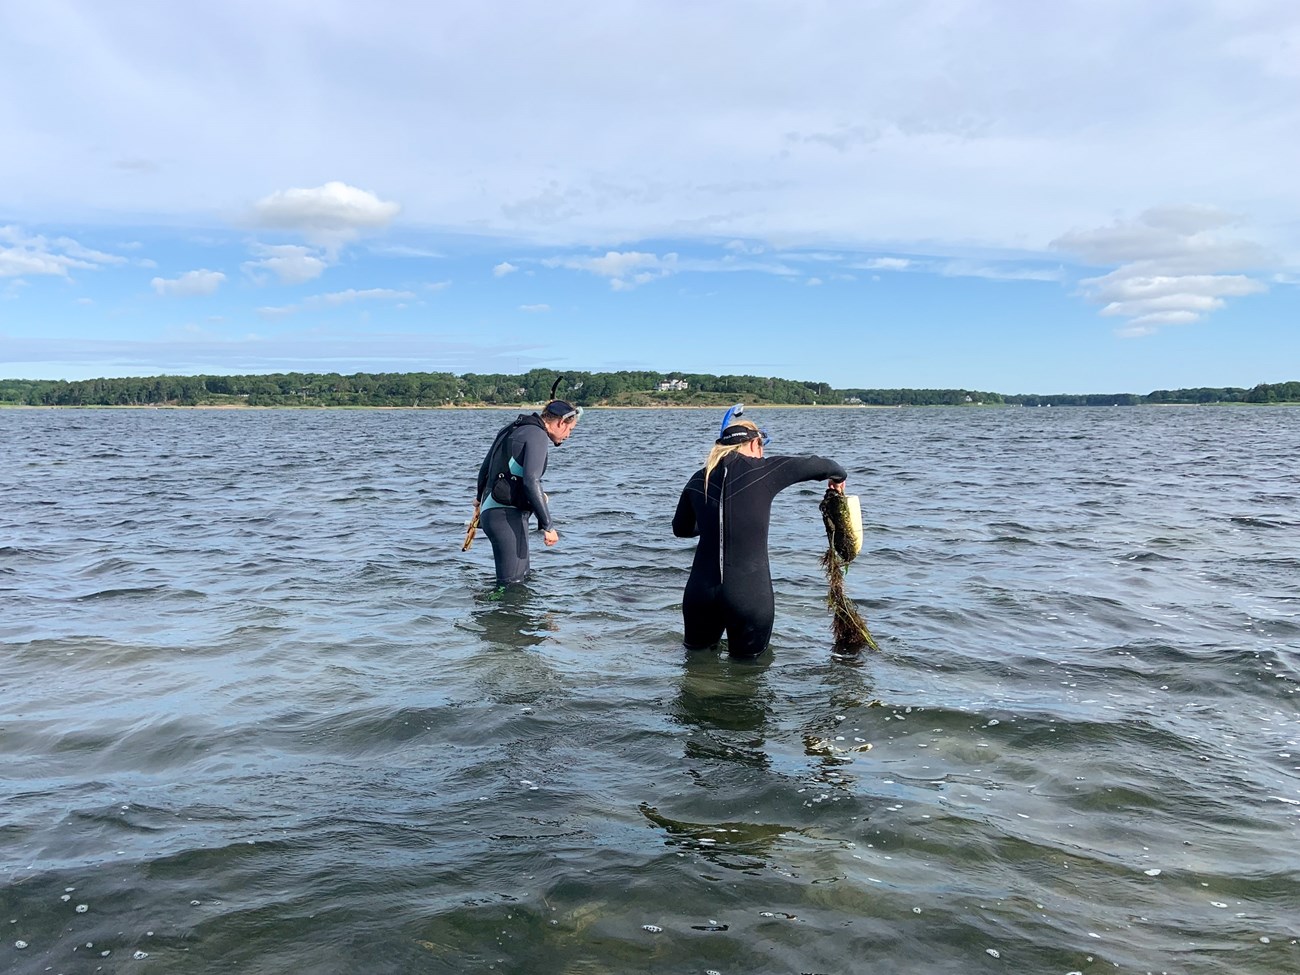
[{"x": 675, "y": 385}]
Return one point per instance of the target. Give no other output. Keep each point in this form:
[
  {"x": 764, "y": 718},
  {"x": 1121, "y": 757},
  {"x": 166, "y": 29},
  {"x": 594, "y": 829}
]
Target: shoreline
[
  {"x": 529, "y": 407},
  {"x": 467, "y": 406}
]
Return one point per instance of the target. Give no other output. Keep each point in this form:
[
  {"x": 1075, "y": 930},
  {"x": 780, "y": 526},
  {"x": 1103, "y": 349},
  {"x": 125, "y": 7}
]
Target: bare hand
[
  {"x": 837, "y": 486},
  {"x": 550, "y": 537}
]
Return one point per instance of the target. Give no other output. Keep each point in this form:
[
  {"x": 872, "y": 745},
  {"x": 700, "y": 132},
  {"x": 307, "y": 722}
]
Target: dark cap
[
  {"x": 561, "y": 409},
  {"x": 735, "y": 435}
]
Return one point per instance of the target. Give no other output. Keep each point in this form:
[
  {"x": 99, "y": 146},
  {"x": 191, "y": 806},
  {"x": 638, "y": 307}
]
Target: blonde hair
[{"x": 720, "y": 451}]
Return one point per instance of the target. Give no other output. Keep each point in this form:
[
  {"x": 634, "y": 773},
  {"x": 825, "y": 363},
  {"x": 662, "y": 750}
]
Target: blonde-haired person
[{"x": 727, "y": 504}]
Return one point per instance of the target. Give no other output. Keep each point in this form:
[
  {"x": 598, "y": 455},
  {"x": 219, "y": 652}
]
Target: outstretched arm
[{"x": 791, "y": 470}]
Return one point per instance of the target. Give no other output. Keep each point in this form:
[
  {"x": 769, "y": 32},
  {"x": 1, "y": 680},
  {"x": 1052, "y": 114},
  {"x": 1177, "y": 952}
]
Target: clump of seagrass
[{"x": 844, "y": 541}]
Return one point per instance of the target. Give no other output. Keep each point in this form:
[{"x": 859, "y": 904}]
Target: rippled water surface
[{"x": 257, "y": 713}]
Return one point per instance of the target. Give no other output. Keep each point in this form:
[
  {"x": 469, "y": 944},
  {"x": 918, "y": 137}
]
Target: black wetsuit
[
  {"x": 510, "y": 489},
  {"x": 730, "y": 587}
]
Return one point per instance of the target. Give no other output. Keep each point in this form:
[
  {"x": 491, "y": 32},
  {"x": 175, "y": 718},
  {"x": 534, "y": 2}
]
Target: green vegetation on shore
[{"x": 437, "y": 389}]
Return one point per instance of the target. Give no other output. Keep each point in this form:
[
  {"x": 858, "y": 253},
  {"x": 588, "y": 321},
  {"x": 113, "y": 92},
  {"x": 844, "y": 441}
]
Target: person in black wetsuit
[
  {"x": 728, "y": 505},
  {"x": 510, "y": 486}
]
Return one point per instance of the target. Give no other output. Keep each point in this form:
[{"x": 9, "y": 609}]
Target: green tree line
[{"x": 627, "y": 388}]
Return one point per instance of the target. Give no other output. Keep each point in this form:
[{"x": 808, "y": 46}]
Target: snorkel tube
[
  {"x": 733, "y": 413},
  {"x": 559, "y": 409}
]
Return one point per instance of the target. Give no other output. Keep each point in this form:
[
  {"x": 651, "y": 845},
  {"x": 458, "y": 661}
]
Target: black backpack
[{"x": 506, "y": 488}]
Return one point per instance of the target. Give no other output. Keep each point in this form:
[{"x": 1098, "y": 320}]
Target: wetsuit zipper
[{"x": 722, "y": 535}]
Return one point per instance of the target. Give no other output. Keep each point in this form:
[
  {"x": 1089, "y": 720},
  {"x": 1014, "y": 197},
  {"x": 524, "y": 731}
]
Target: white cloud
[
  {"x": 842, "y": 139},
  {"x": 335, "y": 299},
  {"x": 1271, "y": 47},
  {"x": 731, "y": 264},
  {"x": 291, "y": 263},
  {"x": 857, "y": 139},
  {"x": 76, "y": 250},
  {"x": 886, "y": 264},
  {"x": 535, "y": 308},
  {"x": 1184, "y": 239},
  {"x": 24, "y": 254},
  {"x": 625, "y": 269},
  {"x": 617, "y": 265},
  {"x": 190, "y": 284},
  {"x": 502, "y": 269},
  {"x": 309, "y": 350},
  {"x": 406, "y": 250},
  {"x": 1151, "y": 302},
  {"x": 814, "y": 282},
  {"x": 857, "y": 145},
  {"x": 1176, "y": 308},
  {"x": 328, "y": 215},
  {"x": 1174, "y": 263},
  {"x": 369, "y": 294},
  {"x": 1003, "y": 271},
  {"x": 1121, "y": 287},
  {"x": 274, "y": 313},
  {"x": 15, "y": 261}
]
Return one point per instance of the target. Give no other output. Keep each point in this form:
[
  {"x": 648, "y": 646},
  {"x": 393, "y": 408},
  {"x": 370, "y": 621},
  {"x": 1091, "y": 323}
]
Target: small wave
[
  {"x": 160, "y": 592},
  {"x": 125, "y": 593},
  {"x": 1013, "y": 540},
  {"x": 1147, "y": 556},
  {"x": 1248, "y": 521},
  {"x": 1281, "y": 562}
]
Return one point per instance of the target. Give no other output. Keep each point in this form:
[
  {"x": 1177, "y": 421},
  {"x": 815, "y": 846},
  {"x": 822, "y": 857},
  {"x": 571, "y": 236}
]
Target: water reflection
[
  {"x": 514, "y": 617},
  {"x": 727, "y": 704},
  {"x": 734, "y": 845},
  {"x": 728, "y": 708},
  {"x": 507, "y": 622},
  {"x": 831, "y": 732}
]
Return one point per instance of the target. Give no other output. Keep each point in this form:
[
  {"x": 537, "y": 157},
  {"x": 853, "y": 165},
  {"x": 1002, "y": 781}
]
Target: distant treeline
[{"x": 430, "y": 389}]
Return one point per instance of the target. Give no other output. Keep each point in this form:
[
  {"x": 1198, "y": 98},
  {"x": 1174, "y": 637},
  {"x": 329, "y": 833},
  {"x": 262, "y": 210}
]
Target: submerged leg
[
  {"x": 750, "y": 616},
  {"x": 702, "y": 619},
  {"x": 507, "y": 529}
]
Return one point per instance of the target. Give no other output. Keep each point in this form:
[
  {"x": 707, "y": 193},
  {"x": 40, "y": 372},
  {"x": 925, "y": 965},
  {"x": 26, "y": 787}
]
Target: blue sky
[{"x": 1016, "y": 197}]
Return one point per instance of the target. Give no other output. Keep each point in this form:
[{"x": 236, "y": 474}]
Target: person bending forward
[{"x": 510, "y": 486}]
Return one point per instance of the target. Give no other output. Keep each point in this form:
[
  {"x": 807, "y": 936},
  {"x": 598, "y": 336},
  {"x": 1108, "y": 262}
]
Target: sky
[{"x": 1014, "y": 196}]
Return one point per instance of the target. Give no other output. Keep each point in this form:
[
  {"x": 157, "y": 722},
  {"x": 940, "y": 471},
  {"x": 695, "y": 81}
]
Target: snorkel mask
[{"x": 730, "y": 435}]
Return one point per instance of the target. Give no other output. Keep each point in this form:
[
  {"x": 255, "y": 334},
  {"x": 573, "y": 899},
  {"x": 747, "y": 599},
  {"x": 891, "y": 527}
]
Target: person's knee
[
  {"x": 745, "y": 646},
  {"x": 748, "y": 639},
  {"x": 510, "y": 571},
  {"x": 700, "y": 634}
]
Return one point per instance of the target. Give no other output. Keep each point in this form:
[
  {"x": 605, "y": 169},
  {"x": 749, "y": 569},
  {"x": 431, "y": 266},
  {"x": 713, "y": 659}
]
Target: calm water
[{"x": 257, "y": 715}]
